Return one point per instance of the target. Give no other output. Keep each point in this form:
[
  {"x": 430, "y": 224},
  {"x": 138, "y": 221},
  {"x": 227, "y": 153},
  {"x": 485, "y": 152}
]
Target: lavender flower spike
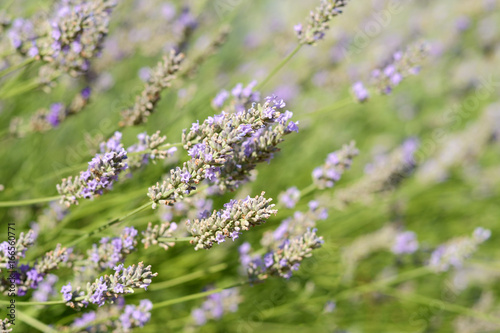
[
  {"x": 109, "y": 287},
  {"x": 103, "y": 170},
  {"x": 286, "y": 258},
  {"x": 230, "y": 221},
  {"x": 161, "y": 78},
  {"x": 455, "y": 251},
  {"x": 318, "y": 21},
  {"x": 336, "y": 164}
]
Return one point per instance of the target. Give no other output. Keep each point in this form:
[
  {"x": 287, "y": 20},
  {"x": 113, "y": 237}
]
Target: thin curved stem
[
  {"x": 34, "y": 303},
  {"x": 194, "y": 296},
  {"x": 186, "y": 278},
  {"x": 175, "y": 239},
  {"x": 339, "y": 105},
  {"x": 109, "y": 224},
  {"x": 277, "y": 68},
  {"x": 34, "y": 323},
  {"x": 28, "y": 202},
  {"x": 419, "y": 299},
  {"x": 15, "y": 67}
]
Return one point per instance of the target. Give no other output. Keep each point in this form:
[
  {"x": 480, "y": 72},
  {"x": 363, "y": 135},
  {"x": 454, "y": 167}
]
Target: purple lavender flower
[
  {"x": 85, "y": 320},
  {"x": 236, "y": 216},
  {"x": 102, "y": 172},
  {"x": 286, "y": 258},
  {"x": 290, "y": 197},
  {"x": 360, "y": 92},
  {"x": 405, "y": 243},
  {"x": 67, "y": 292},
  {"x": 55, "y": 114},
  {"x": 318, "y": 21},
  {"x": 45, "y": 288},
  {"x": 454, "y": 252},
  {"x": 335, "y": 165},
  {"x": 216, "y": 305}
]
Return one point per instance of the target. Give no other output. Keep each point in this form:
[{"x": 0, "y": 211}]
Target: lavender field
[{"x": 249, "y": 166}]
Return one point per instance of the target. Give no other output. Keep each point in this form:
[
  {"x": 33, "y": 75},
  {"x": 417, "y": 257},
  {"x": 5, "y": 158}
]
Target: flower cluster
[
  {"x": 44, "y": 120},
  {"x": 23, "y": 243},
  {"x": 102, "y": 172},
  {"x": 74, "y": 35},
  {"x": 240, "y": 98},
  {"x": 384, "y": 174},
  {"x": 286, "y": 258},
  {"x": 225, "y": 148},
  {"x": 136, "y": 316},
  {"x": 216, "y": 305},
  {"x": 6, "y": 325},
  {"x": 45, "y": 288},
  {"x": 161, "y": 78},
  {"x": 290, "y": 197},
  {"x": 295, "y": 225},
  {"x": 318, "y": 21},
  {"x": 152, "y": 235},
  {"x": 237, "y": 215},
  {"x": 402, "y": 64},
  {"x": 111, "y": 252},
  {"x": 29, "y": 277},
  {"x": 151, "y": 146},
  {"x": 22, "y": 36},
  {"x": 104, "y": 319},
  {"x": 465, "y": 145},
  {"x": 405, "y": 243},
  {"x": 455, "y": 251},
  {"x": 109, "y": 287},
  {"x": 335, "y": 165}
]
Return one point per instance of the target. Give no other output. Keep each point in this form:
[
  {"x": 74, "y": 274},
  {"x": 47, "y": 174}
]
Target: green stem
[
  {"x": 109, "y": 224},
  {"x": 175, "y": 239},
  {"x": 377, "y": 285},
  {"x": 308, "y": 190},
  {"x": 424, "y": 300},
  {"x": 187, "y": 277},
  {"x": 21, "y": 89},
  {"x": 339, "y": 105},
  {"x": 34, "y": 323},
  {"x": 15, "y": 67},
  {"x": 277, "y": 68},
  {"x": 35, "y": 303},
  {"x": 28, "y": 202},
  {"x": 194, "y": 296}
]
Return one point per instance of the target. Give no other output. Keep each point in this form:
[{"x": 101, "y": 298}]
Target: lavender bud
[
  {"x": 454, "y": 252},
  {"x": 102, "y": 172},
  {"x": 318, "y": 21},
  {"x": 385, "y": 174},
  {"x": 161, "y": 78},
  {"x": 294, "y": 226},
  {"x": 360, "y": 92},
  {"x": 75, "y": 35},
  {"x": 45, "y": 288},
  {"x": 111, "y": 252},
  {"x": 136, "y": 316},
  {"x": 405, "y": 243},
  {"x": 152, "y": 234},
  {"x": 31, "y": 276},
  {"x": 229, "y": 222},
  {"x": 216, "y": 305},
  {"x": 290, "y": 197},
  {"x": 402, "y": 65},
  {"x": 109, "y": 287},
  {"x": 335, "y": 165},
  {"x": 285, "y": 259},
  {"x": 5, "y": 325},
  {"x": 152, "y": 143}
]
